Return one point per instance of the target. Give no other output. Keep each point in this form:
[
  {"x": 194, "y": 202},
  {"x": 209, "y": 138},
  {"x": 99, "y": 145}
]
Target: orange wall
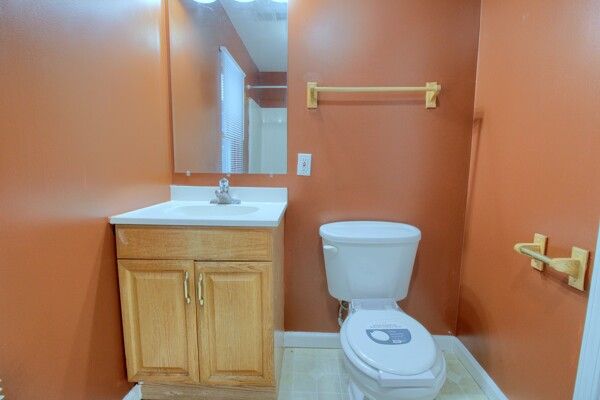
[
  {"x": 377, "y": 157},
  {"x": 196, "y": 32},
  {"x": 535, "y": 169},
  {"x": 84, "y": 133}
]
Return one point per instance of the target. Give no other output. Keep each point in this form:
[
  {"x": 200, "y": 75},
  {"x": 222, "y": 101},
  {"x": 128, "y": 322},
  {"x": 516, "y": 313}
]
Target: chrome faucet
[{"x": 223, "y": 196}]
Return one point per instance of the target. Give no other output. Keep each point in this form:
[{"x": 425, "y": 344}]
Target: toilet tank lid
[{"x": 370, "y": 232}]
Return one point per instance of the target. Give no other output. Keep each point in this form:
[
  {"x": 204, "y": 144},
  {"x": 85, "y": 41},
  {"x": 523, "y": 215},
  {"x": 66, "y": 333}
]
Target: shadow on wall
[
  {"x": 101, "y": 308},
  {"x": 476, "y": 325},
  {"x": 475, "y": 140}
]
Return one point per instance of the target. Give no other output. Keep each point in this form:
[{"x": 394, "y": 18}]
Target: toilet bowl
[{"x": 388, "y": 354}]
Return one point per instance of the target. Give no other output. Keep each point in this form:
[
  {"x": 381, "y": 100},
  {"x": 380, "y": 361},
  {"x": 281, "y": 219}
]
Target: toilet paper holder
[{"x": 574, "y": 266}]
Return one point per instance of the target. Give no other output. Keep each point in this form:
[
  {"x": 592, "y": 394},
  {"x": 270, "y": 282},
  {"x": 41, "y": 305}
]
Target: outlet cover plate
[{"x": 304, "y": 164}]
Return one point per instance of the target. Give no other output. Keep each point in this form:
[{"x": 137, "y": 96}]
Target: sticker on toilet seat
[{"x": 391, "y": 334}]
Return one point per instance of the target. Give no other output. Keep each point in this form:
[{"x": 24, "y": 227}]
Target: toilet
[{"x": 388, "y": 354}]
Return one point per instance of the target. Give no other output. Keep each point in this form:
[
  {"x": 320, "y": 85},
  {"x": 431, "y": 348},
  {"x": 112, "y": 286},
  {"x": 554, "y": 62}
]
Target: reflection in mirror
[{"x": 228, "y": 61}]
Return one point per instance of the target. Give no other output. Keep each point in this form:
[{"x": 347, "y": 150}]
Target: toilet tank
[{"x": 369, "y": 259}]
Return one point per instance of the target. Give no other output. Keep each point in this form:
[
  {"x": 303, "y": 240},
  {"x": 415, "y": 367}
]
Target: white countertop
[{"x": 190, "y": 206}]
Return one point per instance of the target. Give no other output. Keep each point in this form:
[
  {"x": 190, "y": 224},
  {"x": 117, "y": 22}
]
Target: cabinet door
[
  {"x": 236, "y": 323},
  {"x": 159, "y": 320}
]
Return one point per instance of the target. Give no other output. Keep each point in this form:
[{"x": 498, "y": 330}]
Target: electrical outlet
[{"x": 304, "y": 161}]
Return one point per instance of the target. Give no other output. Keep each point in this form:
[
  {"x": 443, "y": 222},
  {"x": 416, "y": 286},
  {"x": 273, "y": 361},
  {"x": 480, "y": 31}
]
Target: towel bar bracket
[
  {"x": 582, "y": 256},
  {"x": 538, "y": 246},
  {"x": 431, "y": 94}
]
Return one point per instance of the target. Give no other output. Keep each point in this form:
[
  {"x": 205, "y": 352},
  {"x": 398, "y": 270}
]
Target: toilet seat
[
  {"x": 406, "y": 357},
  {"x": 391, "y": 341}
]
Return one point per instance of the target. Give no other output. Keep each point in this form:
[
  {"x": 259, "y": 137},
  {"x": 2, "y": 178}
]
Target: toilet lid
[
  {"x": 365, "y": 232},
  {"x": 391, "y": 341}
]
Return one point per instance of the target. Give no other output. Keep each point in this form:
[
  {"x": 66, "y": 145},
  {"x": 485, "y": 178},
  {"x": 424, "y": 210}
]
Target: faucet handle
[{"x": 224, "y": 184}]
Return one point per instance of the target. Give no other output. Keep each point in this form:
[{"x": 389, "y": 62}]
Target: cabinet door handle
[
  {"x": 186, "y": 288},
  {"x": 199, "y": 286}
]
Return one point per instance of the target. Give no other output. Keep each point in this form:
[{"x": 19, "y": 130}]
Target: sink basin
[
  {"x": 190, "y": 206},
  {"x": 199, "y": 211}
]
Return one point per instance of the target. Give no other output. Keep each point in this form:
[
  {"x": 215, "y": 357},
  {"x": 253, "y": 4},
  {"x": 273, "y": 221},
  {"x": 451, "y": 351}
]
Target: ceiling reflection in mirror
[{"x": 228, "y": 62}]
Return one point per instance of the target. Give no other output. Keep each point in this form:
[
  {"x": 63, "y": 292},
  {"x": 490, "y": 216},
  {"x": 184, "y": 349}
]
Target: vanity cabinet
[{"x": 202, "y": 310}]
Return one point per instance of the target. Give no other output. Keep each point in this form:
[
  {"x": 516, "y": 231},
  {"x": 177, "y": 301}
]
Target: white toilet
[{"x": 388, "y": 354}]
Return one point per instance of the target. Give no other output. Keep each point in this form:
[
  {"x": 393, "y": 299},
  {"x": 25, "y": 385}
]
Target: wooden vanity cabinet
[{"x": 202, "y": 310}]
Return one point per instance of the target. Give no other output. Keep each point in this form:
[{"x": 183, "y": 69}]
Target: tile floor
[{"x": 318, "y": 374}]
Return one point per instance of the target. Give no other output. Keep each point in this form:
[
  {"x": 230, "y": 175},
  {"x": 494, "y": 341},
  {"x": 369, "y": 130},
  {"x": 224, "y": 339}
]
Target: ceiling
[{"x": 262, "y": 25}]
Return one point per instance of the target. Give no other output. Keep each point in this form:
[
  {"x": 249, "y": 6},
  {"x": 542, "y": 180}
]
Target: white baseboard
[
  {"x": 314, "y": 340},
  {"x": 445, "y": 342},
  {"x": 134, "y": 394},
  {"x": 319, "y": 340}
]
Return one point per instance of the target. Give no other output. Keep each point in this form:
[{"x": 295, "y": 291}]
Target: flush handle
[{"x": 328, "y": 249}]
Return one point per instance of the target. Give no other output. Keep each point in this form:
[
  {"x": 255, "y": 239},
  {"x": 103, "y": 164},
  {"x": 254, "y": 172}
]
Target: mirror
[{"x": 228, "y": 64}]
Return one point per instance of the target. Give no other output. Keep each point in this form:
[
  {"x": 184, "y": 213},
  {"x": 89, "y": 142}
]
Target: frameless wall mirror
[{"x": 229, "y": 85}]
